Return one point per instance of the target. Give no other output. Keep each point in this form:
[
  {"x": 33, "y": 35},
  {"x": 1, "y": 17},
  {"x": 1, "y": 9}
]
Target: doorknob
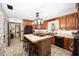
[{"x": 17, "y": 32}]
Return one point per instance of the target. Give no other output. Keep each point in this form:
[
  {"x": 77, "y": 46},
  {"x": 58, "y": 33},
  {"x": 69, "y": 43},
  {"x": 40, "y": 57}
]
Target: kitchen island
[{"x": 40, "y": 45}]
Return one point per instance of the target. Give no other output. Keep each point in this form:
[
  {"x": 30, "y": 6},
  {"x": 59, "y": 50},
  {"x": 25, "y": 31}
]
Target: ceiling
[{"x": 46, "y": 10}]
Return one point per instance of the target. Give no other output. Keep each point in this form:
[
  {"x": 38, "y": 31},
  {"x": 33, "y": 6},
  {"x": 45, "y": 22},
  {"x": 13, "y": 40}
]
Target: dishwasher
[{"x": 59, "y": 41}]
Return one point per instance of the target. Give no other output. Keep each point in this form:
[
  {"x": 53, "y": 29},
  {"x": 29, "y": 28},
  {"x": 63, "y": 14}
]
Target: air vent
[{"x": 10, "y": 7}]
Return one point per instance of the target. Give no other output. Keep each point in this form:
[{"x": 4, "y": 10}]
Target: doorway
[
  {"x": 13, "y": 31},
  {"x": 17, "y": 31}
]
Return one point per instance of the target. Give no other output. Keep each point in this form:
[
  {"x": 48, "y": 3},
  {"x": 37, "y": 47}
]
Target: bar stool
[{"x": 25, "y": 45}]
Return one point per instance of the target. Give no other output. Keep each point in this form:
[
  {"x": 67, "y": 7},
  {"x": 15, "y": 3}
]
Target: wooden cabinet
[
  {"x": 78, "y": 23},
  {"x": 42, "y": 26},
  {"x": 45, "y": 25},
  {"x": 68, "y": 22},
  {"x": 35, "y": 26},
  {"x": 67, "y": 43},
  {"x": 27, "y": 22},
  {"x": 62, "y": 23},
  {"x": 70, "y": 41},
  {"x": 77, "y": 6},
  {"x": 44, "y": 47},
  {"x": 53, "y": 40},
  {"x": 40, "y": 48},
  {"x": 71, "y": 22},
  {"x": 78, "y": 46}
]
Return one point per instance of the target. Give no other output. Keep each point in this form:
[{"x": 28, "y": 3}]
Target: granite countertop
[
  {"x": 62, "y": 35},
  {"x": 35, "y": 38},
  {"x": 67, "y": 36}
]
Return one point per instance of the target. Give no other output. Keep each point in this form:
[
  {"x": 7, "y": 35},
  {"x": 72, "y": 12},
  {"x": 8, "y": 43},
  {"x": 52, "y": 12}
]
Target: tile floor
[
  {"x": 57, "y": 51},
  {"x": 16, "y": 49}
]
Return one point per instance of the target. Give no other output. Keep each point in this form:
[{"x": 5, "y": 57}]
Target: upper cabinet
[
  {"x": 62, "y": 22},
  {"x": 71, "y": 22},
  {"x": 77, "y": 7},
  {"x": 35, "y": 26},
  {"x": 77, "y": 15},
  {"x": 27, "y": 22},
  {"x": 42, "y": 26},
  {"x": 78, "y": 23},
  {"x": 68, "y": 22}
]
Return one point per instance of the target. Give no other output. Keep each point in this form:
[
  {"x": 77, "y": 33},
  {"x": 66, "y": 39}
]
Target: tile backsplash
[{"x": 59, "y": 32}]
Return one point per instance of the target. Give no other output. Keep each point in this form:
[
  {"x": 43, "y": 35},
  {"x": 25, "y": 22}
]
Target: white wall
[
  {"x": 15, "y": 20},
  {"x": 3, "y": 26}
]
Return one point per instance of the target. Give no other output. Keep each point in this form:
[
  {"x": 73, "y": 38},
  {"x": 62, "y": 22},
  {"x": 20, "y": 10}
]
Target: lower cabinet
[
  {"x": 65, "y": 43},
  {"x": 78, "y": 47},
  {"x": 62, "y": 42},
  {"x": 68, "y": 42},
  {"x": 53, "y": 40}
]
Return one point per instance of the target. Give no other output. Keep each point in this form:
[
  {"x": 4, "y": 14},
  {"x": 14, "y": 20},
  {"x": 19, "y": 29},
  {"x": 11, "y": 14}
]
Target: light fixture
[{"x": 38, "y": 20}]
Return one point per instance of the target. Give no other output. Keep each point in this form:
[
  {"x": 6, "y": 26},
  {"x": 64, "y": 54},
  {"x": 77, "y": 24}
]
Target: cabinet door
[
  {"x": 71, "y": 22},
  {"x": 27, "y": 22},
  {"x": 78, "y": 23},
  {"x": 65, "y": 43},
  {"x": 70, "y": 41},
  {"x": 53, "y": 40},
  {"x": 78, "y": 47},
  {"x": 62, "y": 23},
  {"x": 44, "y": 25},
  {"x": 34, "y": 26}
]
